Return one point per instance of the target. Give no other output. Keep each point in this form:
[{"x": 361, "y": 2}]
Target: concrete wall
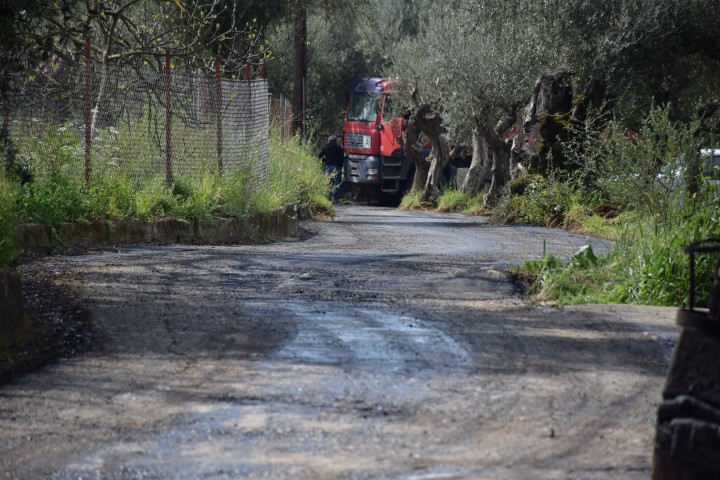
[{"x": 279, "y": 225}]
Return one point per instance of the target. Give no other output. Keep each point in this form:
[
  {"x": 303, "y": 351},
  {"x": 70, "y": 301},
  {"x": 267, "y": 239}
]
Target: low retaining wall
[
  {"x": 39, "y": 238},
  {"x": 280, "y": 224}
]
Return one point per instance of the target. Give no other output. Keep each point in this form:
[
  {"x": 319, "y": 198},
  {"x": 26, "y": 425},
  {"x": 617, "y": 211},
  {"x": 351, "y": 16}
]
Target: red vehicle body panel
[{"x": 372, "y": 138}]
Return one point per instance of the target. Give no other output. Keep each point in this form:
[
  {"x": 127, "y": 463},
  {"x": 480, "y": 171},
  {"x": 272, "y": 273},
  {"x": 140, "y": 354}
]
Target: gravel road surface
[{"x": 382, "y": 344}]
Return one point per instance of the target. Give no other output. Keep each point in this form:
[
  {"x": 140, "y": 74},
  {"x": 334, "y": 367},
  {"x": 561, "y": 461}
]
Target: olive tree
[{"x": 481, "y": 59}]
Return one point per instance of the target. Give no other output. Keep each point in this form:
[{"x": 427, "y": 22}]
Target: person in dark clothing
[{"x": 333, "y": 157}]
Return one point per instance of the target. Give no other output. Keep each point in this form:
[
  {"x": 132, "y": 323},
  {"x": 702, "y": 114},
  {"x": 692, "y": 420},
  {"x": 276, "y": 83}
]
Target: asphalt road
[{"x": 382, "y": 344}]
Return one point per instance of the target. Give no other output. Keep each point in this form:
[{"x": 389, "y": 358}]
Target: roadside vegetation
[
  {"x": 610, "y": 145},
  {"x": 44, "y": 192},
  {"x": 648, "y": 193}
]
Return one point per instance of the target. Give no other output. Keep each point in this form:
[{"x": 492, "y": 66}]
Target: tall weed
[
  {"x": 296, "y": 176},
  {"x": 56, "y": 193},
  {"x": 649, "y": 170},
  {"x": 52, "y": 200},
  {"x": 648, "y": 264},
  {"x": 539, "y": 197}
]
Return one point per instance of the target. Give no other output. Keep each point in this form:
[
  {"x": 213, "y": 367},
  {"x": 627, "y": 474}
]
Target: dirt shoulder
[{"x": 55, "y": 325}]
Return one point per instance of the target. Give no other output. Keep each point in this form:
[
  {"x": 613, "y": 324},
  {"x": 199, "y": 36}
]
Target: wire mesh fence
[
  {"x": 89, "y": 119},
  {"x": 281, "y": 115}
]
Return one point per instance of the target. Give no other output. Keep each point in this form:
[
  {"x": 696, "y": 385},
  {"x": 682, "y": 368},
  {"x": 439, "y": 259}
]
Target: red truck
[{"x": 375, "y": 160}]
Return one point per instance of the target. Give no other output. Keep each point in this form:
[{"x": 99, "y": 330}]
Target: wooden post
[
  {"x": 168, "y": 121},
  {"x": 218, "y": 111},
  {"x": 88, "y": 110}
]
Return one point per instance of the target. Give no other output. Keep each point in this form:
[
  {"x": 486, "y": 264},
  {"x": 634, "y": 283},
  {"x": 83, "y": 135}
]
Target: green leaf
[{"x": 585, "y": 257}]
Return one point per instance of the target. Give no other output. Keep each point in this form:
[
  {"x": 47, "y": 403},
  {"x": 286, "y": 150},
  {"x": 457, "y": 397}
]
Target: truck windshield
[{"x": 364, "y": 107}]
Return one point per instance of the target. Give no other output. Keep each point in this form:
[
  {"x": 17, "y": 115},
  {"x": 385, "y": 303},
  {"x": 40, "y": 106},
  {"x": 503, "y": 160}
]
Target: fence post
[
  {"x": 218, "y": 110},
  {"x": 168, "y": 113},
  {"x": 247, "y": 135},
  {"x": 88, "y": 111}
]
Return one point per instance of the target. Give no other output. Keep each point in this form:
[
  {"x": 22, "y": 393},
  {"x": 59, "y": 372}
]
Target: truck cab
[{"x": 375, "y": 159}]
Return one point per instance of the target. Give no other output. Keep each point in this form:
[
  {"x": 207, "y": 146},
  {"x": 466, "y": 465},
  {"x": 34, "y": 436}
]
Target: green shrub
[
  {"x": 476, "y": 206},
  {"x": 650, "y": 177},
  {"x": 295, "y": 176},
  {"x": 54, "y": 190},
  {"x": 234, "y": 200},
  {"x": 49, "y": 149},
  {"x": 541, "y": 197},
  {"x": 198, "y": 198},
  {"x": 411, "y": 201},
  {"x": 52, "y": 200},
  {"x": 649, "y": 171},
  {"x": 113, "y": 199}
]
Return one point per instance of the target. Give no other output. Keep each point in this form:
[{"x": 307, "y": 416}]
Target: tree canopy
[
  {"x": 134, "y": 32},
  {"x": 478, "y": 58},
  {"x": 484, "y": 54}
]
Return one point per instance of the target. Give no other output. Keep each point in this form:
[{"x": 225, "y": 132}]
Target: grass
[
  {"x": 449, "y": 200},
  {"x": 631, "y": 191},
  {"x": 53, "y": 190},
  {"x": 411, "y": 201},
  {"x": 647, "y": 264},
  {"x": 452, "y": 200}
]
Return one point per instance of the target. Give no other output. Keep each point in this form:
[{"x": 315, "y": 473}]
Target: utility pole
[{"x": 299, "y": 68}]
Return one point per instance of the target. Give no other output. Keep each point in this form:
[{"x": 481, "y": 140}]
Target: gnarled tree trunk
[
  {"x": 501, "y": 155},
  {"x": 500, "y": 167},
  {"x": 428, "y": 119},
  {"x": 410, "y": 141},
  {"x": 552, "y": 96},
  {"x": 440, "y": 157},
  {"x": 479, "y": 167}
]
